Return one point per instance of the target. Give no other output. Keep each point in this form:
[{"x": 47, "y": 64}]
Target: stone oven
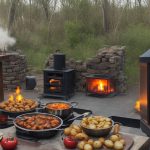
[{"x": 108, "y": 61}]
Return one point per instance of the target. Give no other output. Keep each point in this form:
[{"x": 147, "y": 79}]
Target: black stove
[{"x": 59, "y": 82}]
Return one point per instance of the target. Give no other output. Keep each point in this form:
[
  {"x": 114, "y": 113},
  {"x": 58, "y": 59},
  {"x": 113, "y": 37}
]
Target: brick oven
[{"x": 59, "y": 81}]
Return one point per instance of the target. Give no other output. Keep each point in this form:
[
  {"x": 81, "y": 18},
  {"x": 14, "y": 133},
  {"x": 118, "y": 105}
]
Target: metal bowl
[
  {"x": 98, "y": 132},
  {"x": 15, "y": 114},
  {"x": 62, "y": 113}
]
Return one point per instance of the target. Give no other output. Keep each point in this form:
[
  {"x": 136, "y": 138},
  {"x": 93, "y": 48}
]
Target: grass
[{"x": 135, "y": 38}]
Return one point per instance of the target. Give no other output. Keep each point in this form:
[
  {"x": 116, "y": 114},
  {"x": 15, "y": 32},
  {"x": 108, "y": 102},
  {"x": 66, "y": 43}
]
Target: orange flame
[
  {"x": 11, "y": 98},
  {"x": 18, "y": 91},
  {"x": 16, "y": 96},
  {"x": 137, "y": 106},
  {"x": 100, "y": 86}
]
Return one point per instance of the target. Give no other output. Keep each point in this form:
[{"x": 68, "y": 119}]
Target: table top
[{"x": 55, "y": 143}]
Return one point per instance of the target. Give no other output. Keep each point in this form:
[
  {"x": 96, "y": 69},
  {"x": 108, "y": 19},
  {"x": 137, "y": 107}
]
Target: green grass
[{"x": 135, "y": 38}]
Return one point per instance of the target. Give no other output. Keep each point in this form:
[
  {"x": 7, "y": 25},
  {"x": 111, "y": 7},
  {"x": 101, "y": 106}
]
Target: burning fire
[
  {"x": 100, "y": 86},
  {"x": 137, "y": 106},
  {"x": 16, "y": 96}
]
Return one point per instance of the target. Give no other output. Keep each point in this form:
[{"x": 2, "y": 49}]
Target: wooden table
[
  {"x": 2, "y": 57},
  {"x": 55, "y": 143}
]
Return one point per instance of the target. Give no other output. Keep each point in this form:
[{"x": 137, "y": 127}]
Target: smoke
[{"x": 5, "y": 40}]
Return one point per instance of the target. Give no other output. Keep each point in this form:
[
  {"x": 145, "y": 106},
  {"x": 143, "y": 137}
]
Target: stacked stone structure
[
  {"x": 14, "y": 70},
  {"x": 107, "y": 61}
]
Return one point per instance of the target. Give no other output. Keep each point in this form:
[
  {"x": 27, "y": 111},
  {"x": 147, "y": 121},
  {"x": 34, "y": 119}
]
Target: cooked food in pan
[
  {"x": 18, "y": 106},
  {"x": 96, "y": 122},
  {"x": 58, "y": 106},
  {"x": 38, "y": 122}
]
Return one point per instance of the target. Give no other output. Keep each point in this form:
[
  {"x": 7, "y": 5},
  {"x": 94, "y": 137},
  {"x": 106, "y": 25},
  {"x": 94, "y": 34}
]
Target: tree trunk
[
  {"x": 139, "y": 3},
  {"x": 45, "y": 7},
  {"x": 12, "y": 12},
  {"x": 105, "y": 8}
]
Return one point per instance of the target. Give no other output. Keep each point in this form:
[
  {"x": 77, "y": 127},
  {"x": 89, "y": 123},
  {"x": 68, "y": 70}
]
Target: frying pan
[
  {"x": 15, "y": 114},
  {"x": 44, "y": 133}
]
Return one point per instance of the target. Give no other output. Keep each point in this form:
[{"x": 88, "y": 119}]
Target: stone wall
[
  {"x": 108, "y": 61},
  {"x": 14, "y": 70}
]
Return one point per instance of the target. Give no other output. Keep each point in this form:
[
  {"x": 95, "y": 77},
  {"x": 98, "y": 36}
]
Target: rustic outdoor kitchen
[{"x": 53, "y": 121}]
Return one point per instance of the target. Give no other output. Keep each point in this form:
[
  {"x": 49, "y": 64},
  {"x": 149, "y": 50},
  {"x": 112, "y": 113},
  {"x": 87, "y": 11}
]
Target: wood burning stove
[
  {"x": 100, "y": 85},
  {"x": 58, "y": 81},
  {"x": 145, "y": 92}
]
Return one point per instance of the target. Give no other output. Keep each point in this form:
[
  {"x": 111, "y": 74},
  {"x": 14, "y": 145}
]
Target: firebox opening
[{"x": 100, "y": 85}]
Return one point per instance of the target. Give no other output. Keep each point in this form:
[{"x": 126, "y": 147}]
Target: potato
[
  {"x": 92, "y": 126},
  {"x": 118, "y": 145},
  {"x": 116, "y": 129},
  {"x": 102, "y": 140},
  {"x": 120, "y": 137},
  {"x": 81, "y": 145},
  {"x": 114, "y": 138},
  {"x": 83, "y": 124},
  {"x": 90, "y": 141},
  {"x": 67, "y": 131},
  {"x": 122, "y": 141},
  {"x": 73, "y": 132},
  {"x": 77, "y": 128},
  {"x": 81, "y": 136},
  {"x": 108, "y": 119},
  {"x": 102, "y": 119},
  {"x": 97, "y": 144},
  {"x": 106, "y": 126},
  {"x": 108, "y": 143},
  {"x": 88, "y": 147},
  {"x": 85, "y": 136},
  {"x": 96, "y": 122},
  {"x": 108, "y": 123}
]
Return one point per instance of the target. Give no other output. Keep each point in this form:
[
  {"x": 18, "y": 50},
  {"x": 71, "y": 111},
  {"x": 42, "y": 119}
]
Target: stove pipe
[{"x": 59, "y": 61}]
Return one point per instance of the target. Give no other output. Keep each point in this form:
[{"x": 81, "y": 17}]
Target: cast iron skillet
[
  {"x": 44, "y": 133},
  {"x": 15, "y": 114}
]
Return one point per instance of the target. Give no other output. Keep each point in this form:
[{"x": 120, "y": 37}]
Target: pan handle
[
  {"x": 79, "y": 116},
  {"x": 40, "y": 103},
  {"x": 74, "y": 104}
]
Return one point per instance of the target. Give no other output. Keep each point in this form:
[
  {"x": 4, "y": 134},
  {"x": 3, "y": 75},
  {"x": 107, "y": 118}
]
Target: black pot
[
  {"x": 62, "y": 113},
  {"x": 39, "y": 134}
]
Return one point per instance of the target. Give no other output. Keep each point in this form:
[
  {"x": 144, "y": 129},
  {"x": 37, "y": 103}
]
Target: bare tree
[
  {"x": 45, "y": 4},
  {"x": 105, "y": 9},
  {"x": 12, "y": 12},
  {"x": 139, "y": 3}
]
